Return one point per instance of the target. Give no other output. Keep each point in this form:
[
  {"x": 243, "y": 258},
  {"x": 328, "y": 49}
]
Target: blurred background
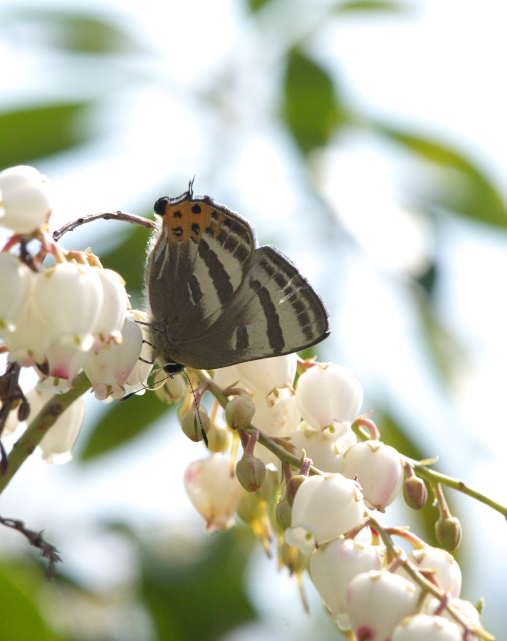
[{"x": 367, "y": 140}]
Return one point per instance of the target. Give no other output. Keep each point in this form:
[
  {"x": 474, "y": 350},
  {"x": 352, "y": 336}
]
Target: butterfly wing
[
  {"x": 274, "y": 311},
  {"x": 195, "y": 265}
]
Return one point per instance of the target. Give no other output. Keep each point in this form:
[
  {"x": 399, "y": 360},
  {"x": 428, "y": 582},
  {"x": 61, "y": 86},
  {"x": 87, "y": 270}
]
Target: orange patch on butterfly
[{"x": 189, "y": 220}]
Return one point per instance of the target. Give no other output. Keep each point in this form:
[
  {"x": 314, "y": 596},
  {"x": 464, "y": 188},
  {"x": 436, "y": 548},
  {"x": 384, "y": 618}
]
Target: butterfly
[{"x": 216, "y": 298}]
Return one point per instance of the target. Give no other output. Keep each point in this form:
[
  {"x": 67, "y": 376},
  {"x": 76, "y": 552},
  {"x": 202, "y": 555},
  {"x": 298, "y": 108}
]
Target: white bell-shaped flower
[
  {"x": 378, "y": 469},
  {"x": 25, "y": 201},
  {"x": 325, "y": 447},
  {"x": 264, "y": 375},
  {"x": 109, "y": 369},
  {"x": 441, "y": 564},
  {"x": 115, "y": 300},
  {"x": 377, "y": 602},
  {"x": 327, "y": 393},
  {"x": 28, "y": 343},
  {"x": 467, "y": 610},
  {"x": 325, "y": 507},
  {"x": 16, "y": 280},
  {"x": 137, "y": 380},
  {"x": 332, "y": 568},
  {"x": 214, "y": 489},
  {"x": 422, "y": 627},
  {"x": 277, "y": 413}
]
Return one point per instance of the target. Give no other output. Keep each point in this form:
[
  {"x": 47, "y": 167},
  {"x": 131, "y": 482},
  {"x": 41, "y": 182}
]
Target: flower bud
[
  {"x": 251, "y": 472},
  {"x": 415, "y": 492},
  {"x": 422, "y": 627},
  {"x": 195, "y": 423},
  {"x": 283, "y": 513},
  {"x": 448, "y": 532},
  {"x": 239, "y": 412},
  {"x": 327, "y": 393},
  {"x": 173, "y": 388}
]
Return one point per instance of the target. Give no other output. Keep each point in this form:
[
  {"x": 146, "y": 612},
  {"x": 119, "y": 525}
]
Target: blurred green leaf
[
  {"x": 374, "y": 5},
  {"x": 128, "y": 258},
  {"x": 73, "y": 31},
  {"x": 121, "y": 423},
  {"x": 199, "y": 594},
  {"x": 462, "y": 187},
  {"x": 21, "y": 618},
  {"x": 31, "y": 134},
  {"x": 312, "y": 109},
  {"x": 255, "y": 5}
]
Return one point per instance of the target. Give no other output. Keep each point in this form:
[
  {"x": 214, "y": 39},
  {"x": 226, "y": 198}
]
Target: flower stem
[{"x": 39, "y": 426}]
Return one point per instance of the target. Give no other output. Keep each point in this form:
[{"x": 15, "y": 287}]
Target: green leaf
[
  {"x": 311, "y": 109},
  {"x": 21, "y": 618},
  {"x": 255, "y": 5},
  {"x": 199, "y": 593},
  {"x": 462, "y": 186},
  {"x": 375, "y": 5},
  {"x": 121, "y": 423},
  {"x": 30, "y": 134}
]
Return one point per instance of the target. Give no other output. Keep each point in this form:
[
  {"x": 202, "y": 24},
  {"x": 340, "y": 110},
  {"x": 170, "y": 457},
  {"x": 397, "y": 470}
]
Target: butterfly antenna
[
  {"x": 204, "y": 435},
  {"x": 191, "y": 187},
  {"x": 151, "y": 388}
]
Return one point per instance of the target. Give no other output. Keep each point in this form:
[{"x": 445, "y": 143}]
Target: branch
[
  {"x": 116, "y": 215},
  {"x": 36, "y": 539},
  {"x": 39, "y": 426}
]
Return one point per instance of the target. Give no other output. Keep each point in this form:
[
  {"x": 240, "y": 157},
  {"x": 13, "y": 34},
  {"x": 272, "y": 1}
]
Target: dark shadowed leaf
[
  {"x": 199, "y": 593},
  {"x": 121, "y": 423},
  {"x": 463, "y": 187},
  {"x": 31, "y": 134},
  {"x": 312, "y": 109}
]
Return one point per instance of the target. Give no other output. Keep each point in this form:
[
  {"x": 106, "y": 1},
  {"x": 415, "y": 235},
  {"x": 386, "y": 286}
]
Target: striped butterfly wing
[
  {"x": 215, "y": 298},
  {"x": 196, "y": 263},
  {"x": 275, "y": 311}
]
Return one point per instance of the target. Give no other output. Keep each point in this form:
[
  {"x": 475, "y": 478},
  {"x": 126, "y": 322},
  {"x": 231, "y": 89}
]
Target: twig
[
  {"x": 116, "y": 215},
  {"x": 36, "y": 539}
]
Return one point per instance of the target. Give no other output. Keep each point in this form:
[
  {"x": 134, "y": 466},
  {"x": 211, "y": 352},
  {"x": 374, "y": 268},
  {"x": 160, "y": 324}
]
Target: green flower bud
[
  {"x": 448, "y": 532},
  {"x": 284, "y": 513},
  {"x": 194, "y": 424},
  {"x": 239, "y": 412},
  {"x": 251, "y": 472},
  {"x": 415, "y": 492}
]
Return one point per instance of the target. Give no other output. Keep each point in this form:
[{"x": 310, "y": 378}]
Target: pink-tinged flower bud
[
  {"x": 325, "y": 447},
  {"x": 109, "y": 325},
  {"x": 440, "y": 564},
  {"x": 25, "y": 202},
  {"x": 332, "y": 568},
  {"x": 422, "y": 627},
  {"x": 266, "y": 374},
  {"x": 327, "y": 394},
  {"x": 214, "y": 490},
  {"x": 109, "y": 369},
  {"x": 378, "y": 469},
  {"x": 448, "y": 532},
  {"x": 277, "y": 413},
  {"x": 324, "y": 508},
  {"x": 195, "y": 423},
  {"x": 16, "y": 281},
  {"x": 415, "y": 492},
  {"x": 251, "y": 472},
  {"x": 239, "y": 412},
  {"x": 377, "y": 602}
]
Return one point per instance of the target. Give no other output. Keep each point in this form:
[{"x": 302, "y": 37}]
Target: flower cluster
[
  {"x": 313, "y": 473},
  {"x": 310, "y": 456},
  {"x": 61, "y": 318}
]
